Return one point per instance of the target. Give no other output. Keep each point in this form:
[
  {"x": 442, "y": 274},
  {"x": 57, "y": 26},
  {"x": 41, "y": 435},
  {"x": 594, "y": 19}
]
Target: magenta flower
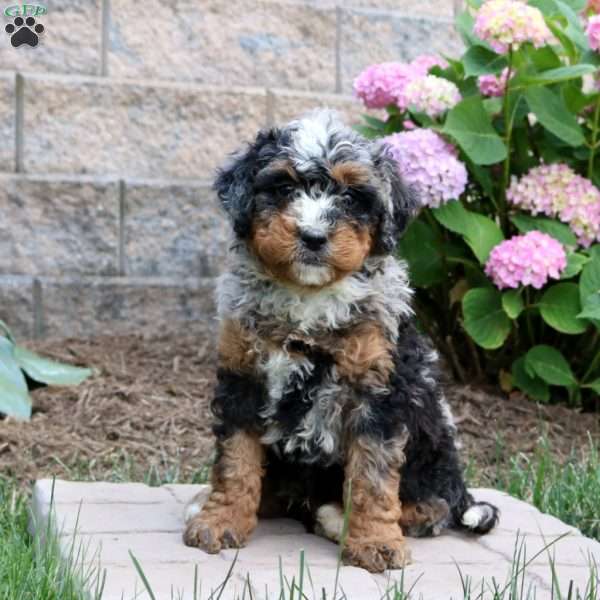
[
  {"x": 429, "y": 164},
  {"x": 493, "y": 85},
  {"x": 530, "y": 259},
  {"x": 506, "y": 23},
  {"x": 557, "y": 191},
  {"x": 430, "y": 95},
  {"x": 593, "y": 32}
]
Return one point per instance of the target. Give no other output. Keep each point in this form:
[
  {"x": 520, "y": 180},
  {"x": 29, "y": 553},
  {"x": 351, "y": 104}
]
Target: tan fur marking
[
  {"x": 420, "y": 516},
  {"x": 237, "y": 347},
  {"x": 375, "y": 540},
  {"x": 350, "y": 173},
  {"x": 230, "y": 513},
  {"x": 285, "y": 166},
  {"x": 349, "y": 248},
  {"x": 365, "y": 355}
]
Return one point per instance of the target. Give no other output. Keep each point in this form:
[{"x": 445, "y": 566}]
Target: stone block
[
  {"x": 247, "y": 42},
  {"x": 71, "y": 42},
  {"x": 54, "y": 226},
  {"x": 288, "y": 105},
  {"x": 89, "y": 306},
  {"x": 369, "y": 36},
  {"x": 17, "y": 304},
  {"x": 135, "y": 128},
  {"x": 175, "y": 230},
  {"x": 7, "y": 120}
]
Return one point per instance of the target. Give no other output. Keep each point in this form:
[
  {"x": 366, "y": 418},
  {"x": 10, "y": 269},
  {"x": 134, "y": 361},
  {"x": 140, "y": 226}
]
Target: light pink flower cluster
[
  {"x": 529, "y": 259},
  {"x": 505, "y": 23},
  {"x": 593, "y": 32},
  {"x": 493, "y": 85},
  {"x": 557, "y": 191},
  {"x": 381, "y": 84},
  {"x": 430, "y": 95},
  {"x": 429, "y": 164}
]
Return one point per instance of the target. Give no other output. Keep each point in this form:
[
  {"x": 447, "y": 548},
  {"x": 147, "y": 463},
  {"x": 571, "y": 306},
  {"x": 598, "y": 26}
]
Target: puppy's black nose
[{"x": 313, "y": 239}]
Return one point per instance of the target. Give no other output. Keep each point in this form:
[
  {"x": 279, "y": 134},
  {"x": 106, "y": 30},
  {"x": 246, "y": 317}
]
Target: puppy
[{"x": 327, "y": 395}]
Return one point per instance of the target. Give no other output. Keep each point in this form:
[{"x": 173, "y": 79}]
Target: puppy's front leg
[
  {"x": 375, "y": 540},
  {"x": 230, "y": 513}
]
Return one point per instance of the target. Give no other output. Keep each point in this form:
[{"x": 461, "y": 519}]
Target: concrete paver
[{"x": 113, "y": 522}]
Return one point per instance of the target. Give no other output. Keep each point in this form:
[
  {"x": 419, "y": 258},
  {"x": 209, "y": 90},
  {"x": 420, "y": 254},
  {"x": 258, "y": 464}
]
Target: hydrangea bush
[{"x": 502, "y": 147}]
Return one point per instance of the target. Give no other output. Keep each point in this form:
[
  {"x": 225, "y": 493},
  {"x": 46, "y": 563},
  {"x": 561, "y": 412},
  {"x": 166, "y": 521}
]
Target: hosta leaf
[
  {"x": 48, "y": 371},
  {"x": 559, "y": 307},
  {"x": 6, "y": 332},
  {"x": 559, "y": 231},
  {"x": 549, "y": 364},
  {"x": 512, "y": 303},
  {"x": 14, "y": 395},
  {"x": 479, "y": 231},
  {"x": 470, "y": 125},
  {"x": 485, "y": 320},
  {"x": 534, "y": 387}
]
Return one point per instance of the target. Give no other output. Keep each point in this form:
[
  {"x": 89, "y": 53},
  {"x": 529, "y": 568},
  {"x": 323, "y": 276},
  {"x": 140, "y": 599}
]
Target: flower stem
[
  {"x": 594, "y": 144},
  {"x": 507, "y": 142}
]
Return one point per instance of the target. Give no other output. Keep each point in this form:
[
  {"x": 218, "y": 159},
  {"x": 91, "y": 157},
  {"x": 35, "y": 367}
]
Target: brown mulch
[{"x": 146, "y": 413}]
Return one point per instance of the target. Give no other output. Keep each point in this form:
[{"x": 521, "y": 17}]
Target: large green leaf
[
  {"x": 559, "y": 231},
  {"x": 421, "y": 248},
  {"x": 478, "y": 60},
  {"x": 14, "y": 395},
  {"x": 589, "y": 286},
  {"x": 48, "y": 371},
  {"x": 479, "y": 231},
  {"x": 534, "y": 387},
  {"x": 553, "y": 114},
  {"x": 549, "y": 364},
  {"x": 593, "y": 385},
  {"x": 512, "y": 303},
  {"x": 485, "y": 320},
  {"x": 470, "y": 125},
  {"x": 552, "y": 76},
  {"x": 559, "y": 307},
  {"x": 591, "y": 310},
  {"x": 575, "y": 263}
]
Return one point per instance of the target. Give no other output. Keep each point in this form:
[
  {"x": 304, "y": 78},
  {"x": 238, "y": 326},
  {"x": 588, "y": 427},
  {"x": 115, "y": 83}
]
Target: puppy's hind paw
[{"x": 378, "y": 556}]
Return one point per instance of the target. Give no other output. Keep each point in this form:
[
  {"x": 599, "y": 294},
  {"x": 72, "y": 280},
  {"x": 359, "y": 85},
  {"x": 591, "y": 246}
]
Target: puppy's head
[{"x": 314, "y": 199}]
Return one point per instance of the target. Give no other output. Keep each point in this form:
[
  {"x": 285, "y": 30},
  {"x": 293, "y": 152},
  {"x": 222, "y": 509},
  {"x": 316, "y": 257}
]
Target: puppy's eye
[{"x": 285, "y": 189}]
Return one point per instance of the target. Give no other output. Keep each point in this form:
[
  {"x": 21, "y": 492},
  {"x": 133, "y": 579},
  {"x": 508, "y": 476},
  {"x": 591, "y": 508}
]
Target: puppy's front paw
[
  {"x": 376, "y": 556},
  {"x": 214, "y": 531}
]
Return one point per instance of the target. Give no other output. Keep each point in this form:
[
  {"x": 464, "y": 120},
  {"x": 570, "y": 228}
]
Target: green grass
[{"x": 569, "y": 491}]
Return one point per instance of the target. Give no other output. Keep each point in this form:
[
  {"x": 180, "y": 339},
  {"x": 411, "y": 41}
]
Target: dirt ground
[{"x": 145, "y": 415}]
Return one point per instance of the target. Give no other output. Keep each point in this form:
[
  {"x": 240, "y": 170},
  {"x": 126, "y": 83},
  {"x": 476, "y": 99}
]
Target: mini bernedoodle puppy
[{"x": 327, "y": 395}]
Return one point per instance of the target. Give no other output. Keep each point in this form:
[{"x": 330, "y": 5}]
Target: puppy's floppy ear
[
  {"x": 234, "y": 183},
  {"x": 400, "y": 202}
]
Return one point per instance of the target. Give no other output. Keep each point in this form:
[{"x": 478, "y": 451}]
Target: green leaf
[
  {"x": 512, "y": 303},
  {"x": 559, "y": 231},
  {"x": 422, "y": 250},
  {"x": 485, "y": 320},
  {"x": 553, "y": 114},
  {"x": 14, "y": 395},
  {"x": 374, "y": 123},
  {"x": 559, "y": 307},
  {"x": 552, "y": 76},
  {"x": 550, "y": 365},
  {"x": 6, "y": 332},
  {"x": 575, "y": 262},
  {"x": 479, "y": 231},
  {"x": 367, "y": 131},
  {"x": 478, "y": 60},
  {"x": 591, "y": 310},
  {"x": 470, "y": 125},
  {"x": 48, "y": 371},
  {"x": 464, "y": 23},
  {"x": 589, "y": 284},
  {"x": 534, "y": 387},
  {"x": 593, "y": 385}
]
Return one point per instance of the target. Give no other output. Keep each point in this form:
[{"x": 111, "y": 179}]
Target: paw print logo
[{"x": 24, "y": 31}]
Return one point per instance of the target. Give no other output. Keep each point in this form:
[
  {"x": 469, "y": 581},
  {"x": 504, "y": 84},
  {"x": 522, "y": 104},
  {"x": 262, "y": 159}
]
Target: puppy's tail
[{"x": 477, "y": 517}]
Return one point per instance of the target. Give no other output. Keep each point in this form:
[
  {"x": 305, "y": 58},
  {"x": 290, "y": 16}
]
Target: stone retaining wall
[{"x": 111, "y": 128}]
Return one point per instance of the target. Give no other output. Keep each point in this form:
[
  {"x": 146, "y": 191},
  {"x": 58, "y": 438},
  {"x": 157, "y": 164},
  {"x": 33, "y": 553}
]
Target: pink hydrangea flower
[
  {"x": 505, "y": 23},
  {"x": 493, "y": 85},
  {"x": 429, "y": 164},
  {"x": 430, "y": 95},
  {"x": 557, "y": 191},
  {"x": 593, "y": 32},
  {"x": 381, "y": 84},
  {"x": 529, "y": 259}
]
